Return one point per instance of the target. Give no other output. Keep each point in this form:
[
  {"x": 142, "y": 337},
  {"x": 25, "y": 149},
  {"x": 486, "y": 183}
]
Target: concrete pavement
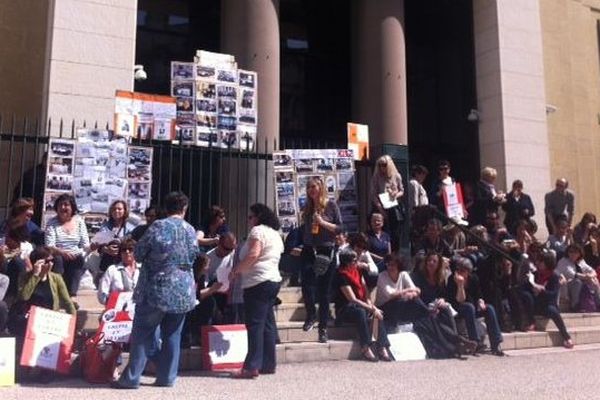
[{"x": 535, "y": 374}]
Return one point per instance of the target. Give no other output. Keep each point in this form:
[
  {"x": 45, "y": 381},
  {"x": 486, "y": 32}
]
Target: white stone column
[
  {"x": 379, "y": 70},
  {"x": 250, "y": 31},
  {"x": 511, "y": 99}
]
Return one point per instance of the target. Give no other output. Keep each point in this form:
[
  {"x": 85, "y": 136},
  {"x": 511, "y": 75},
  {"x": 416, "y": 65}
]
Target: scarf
[
  {"x": 542, "y": 277},
  {"x": 352, "y": 274}
]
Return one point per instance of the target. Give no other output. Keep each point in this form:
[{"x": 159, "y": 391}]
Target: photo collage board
[
  {"x": 216, "y": 102},
  {"x": 293, "y": 169},
  {"x": 144, "y": 116},
  {"x": 97, "y": 169}
]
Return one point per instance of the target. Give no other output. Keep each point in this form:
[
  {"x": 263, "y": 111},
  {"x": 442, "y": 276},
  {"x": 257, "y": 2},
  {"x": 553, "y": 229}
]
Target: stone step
[
  {"x": 572, "y": 320},
  {"x": 87, "y": 298},
  {"x": 291, "y": 332},
  {"x": 550, "y": 338},
  {"x": 290, "y": 294}
]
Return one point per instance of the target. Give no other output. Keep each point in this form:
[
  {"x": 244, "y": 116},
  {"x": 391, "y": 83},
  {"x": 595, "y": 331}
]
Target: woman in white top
[
  {"x": 397, "y": 296},
  {"x": 121, "y": 277},
  {"x": 259, "y": 270},
  {"x": 67, "y": 236},
  {"x": 577, "y": 274}
]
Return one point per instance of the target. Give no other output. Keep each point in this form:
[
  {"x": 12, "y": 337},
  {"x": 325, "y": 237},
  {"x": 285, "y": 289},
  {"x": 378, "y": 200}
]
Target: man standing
[
  {"x": 559, "y": 204},
  {"x": 417, "y": 196}
]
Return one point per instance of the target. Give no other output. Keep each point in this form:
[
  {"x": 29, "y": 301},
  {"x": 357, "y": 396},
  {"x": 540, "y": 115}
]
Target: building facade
[{"x": 512, "y": 84}]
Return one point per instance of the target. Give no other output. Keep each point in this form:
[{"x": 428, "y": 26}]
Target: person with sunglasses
[
  {"x": 120, "y": 277},
  {"x": 436, "y": 193}
]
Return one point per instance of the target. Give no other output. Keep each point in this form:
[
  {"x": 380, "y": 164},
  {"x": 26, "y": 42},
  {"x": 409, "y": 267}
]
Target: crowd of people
[{"x": 459, "y": 274}]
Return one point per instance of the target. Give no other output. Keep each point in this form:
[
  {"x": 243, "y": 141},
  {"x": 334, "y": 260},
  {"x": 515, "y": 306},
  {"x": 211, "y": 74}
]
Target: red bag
[{"x": 99, "y": 359}]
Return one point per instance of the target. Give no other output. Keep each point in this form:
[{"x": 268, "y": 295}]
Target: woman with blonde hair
[
  {"x": 322, "y": 221},
  {"x": 387, "y": 188}
]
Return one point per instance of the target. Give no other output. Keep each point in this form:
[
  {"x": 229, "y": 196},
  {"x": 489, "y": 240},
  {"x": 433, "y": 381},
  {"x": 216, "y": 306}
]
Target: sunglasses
[{"x": 128, "y": 250}]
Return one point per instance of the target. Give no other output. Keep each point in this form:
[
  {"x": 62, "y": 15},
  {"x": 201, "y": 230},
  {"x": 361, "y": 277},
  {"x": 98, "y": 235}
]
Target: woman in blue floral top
[{"x": 164, "y": 294}]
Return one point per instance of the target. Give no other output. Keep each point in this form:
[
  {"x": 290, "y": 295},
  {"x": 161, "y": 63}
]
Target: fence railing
[{"x": 231, "y": 178}]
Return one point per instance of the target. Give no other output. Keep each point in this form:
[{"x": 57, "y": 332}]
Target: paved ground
[{"x": 537, "y": 374}]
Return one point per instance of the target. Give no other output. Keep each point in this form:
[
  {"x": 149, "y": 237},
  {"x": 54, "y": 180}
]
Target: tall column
[
  {"x": 250, "y": 31},
  {"x": 379, "y": 70}
]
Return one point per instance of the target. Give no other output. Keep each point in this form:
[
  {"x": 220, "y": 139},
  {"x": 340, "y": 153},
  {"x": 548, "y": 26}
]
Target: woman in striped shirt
[{"x": 67, "y": 236}]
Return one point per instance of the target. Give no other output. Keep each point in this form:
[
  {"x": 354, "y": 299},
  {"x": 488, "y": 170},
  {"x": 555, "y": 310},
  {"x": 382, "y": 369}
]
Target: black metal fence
[{"x": 228, "y": 177}]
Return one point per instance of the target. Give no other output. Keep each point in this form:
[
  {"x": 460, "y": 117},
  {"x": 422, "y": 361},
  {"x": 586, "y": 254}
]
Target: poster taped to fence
[
  {"x": 358, "y": 140},
  {"x": 48, "y": 340}
]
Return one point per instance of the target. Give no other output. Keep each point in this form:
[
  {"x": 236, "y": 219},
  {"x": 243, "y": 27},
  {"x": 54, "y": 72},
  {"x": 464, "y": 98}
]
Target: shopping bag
[
  {"x": 99, "y": 359},
  {"x": 224, "y": 346},
  {"x": 7, "y": 361},
  {"x": 406, "y": 346}
]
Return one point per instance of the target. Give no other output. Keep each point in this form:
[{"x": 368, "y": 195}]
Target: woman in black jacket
[
  {"x": 518, "y": 207},
  {"x": 541, "y": 296}
]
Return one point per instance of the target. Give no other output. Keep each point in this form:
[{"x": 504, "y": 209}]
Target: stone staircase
[{"x": 299, "y": 346}]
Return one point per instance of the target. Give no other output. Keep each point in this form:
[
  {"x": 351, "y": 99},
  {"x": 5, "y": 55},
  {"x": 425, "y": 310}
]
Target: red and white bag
[{"x": 224, "y": 347}]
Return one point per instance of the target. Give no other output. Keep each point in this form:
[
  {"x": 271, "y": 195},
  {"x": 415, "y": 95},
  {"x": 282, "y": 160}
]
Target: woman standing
[
  {"x": 121, "y": 277},
  {"x": 164, "y": 294},
  {"x": 322, "y": 221},
  {"x": 67, "y": 236},
  {"x": 259, "y": 271},
  {"x": 386, "y": 186},
  {"x": 518, "y": 207},
  {"x": 119, "y": 227},
  {"x": 213, "y": 228}
]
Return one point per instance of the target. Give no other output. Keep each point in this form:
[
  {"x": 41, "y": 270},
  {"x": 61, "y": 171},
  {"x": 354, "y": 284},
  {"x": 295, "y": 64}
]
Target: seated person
[
  {"x": 508, "y": 294},
  {"x": 432, "y": 240},
  {"x": 455, "y": 238},
  {"x": 591, "y": 249},
  {"x": 379, "y": 240},
  {"x": 204, "y": 311},
  {"x": 14, "y": 257},
  {"x": 221, "y": 256},
  {"x": 121, "y": 277},
  {"x": 117, "y": 227},
  {"x": 360, "y": 243},
  {"x": 151, "y": 215},
  {"x": 577, "y": 275},
  {"x": 352, "y": 305},
  {"x": 465, "y": 295},
  {"x": 560, "y": 239},
  {"x": 541, "y": 296}
]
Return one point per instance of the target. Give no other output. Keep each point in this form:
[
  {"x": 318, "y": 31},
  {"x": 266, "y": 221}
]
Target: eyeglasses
[
  {"x": 49, "y": 260},
  {"x": 128, "y": 250}
]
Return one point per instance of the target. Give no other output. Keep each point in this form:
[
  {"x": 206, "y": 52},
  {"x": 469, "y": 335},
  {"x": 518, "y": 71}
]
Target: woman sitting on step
[
  {"x": 352, "y": 305},
  {"x": 541, "y": 296}
]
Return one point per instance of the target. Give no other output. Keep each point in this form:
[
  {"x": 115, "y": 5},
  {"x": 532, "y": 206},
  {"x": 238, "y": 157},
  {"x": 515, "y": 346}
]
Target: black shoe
[
  {"x": 323, "y": 338},
  {"x": 308, "y": 324},
  {"x": 118, "y": 385},
  {"x": 481, "y": 348},
  {"x": 497, "y": 351}
]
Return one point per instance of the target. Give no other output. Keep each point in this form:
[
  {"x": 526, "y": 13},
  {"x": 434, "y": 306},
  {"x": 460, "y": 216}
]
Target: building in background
[{"x": 512, "y": 84}]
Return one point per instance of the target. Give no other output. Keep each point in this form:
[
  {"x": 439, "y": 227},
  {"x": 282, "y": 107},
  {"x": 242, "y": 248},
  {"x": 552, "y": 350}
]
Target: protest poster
[
  {"x": 358, "y": 140},
  {"x": 7, "y": 361},
  {"x": 453, "y": 201},
  {"x": 224, "y": 346},
  {"x": 148, "y": 116},
  {"x": 117, "y": 320},
  {"x": 48, "y": 340}
]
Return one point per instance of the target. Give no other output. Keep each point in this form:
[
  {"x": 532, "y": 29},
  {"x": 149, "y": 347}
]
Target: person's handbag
[
  {"x": 323, "y": 259},
  {"x": 99, "y": 359}
]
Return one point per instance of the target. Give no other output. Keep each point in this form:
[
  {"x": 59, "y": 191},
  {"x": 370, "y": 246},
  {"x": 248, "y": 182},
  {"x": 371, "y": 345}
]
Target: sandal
[
  {"x": 368, "y": 355},
  {"x": 384, "y": 355}
]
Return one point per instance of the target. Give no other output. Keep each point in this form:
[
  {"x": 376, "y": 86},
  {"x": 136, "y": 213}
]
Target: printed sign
[
  {"x": 453, "y": 201},
  {"x": 7, "y": 361},
  {"x": 224, "y": 346},
  {"x": 48, "y": 340},
  {"x": 358, "y": 140},
  {"x": 117, "y": 320}
]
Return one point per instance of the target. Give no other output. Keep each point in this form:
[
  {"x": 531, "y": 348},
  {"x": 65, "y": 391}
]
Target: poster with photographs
[
  {"x": 59, "y": 168},
  {"x": 139, "y": 179},
  {"x": 294, "y": 168},
  {"x": 148, "y": 116},
  {"x": 181, "y": 71}
]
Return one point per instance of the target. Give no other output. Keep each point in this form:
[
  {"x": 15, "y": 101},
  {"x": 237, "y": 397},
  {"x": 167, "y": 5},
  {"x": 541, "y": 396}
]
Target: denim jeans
[
  {"x": 355, "y": 314},
  {"x": 260, "y": 323},
  {"x": 470, "y": 314},
  {"x": 147, "y": 320},
  {"x": 317, "y": 289},
  {"x": 71, "y": 270},
  {"x": 533, "y": 304},
  {"x": 398, "y": 310}
]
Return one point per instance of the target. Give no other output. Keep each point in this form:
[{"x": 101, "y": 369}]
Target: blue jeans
[
  {"x": 357, "y": 315},
  {"x": 317, "y": 289},
  {"x": 147, "y": 320},
  {"x": 533, "y": 304},
  {"x": 260, "y": 323},
  {"x": 469, "y": 313}
]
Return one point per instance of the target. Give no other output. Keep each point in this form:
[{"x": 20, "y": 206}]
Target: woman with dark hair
[
  {"x": 541, "y": 296},
  {"x": 518, "y": 206},
  {"x": 352, "y": 305},
  {"x": 164, "y": 294},
  {"x": 67, "y": 236},
  {"x": 14, "y": 257},
  {"x": 258, "y": 269},
  {"x": 581, "y": 232},
  {"x": 322, "y": 220},
  {"x": 21, "y": 213},
  {"x": 118, "y": 227},
  {"x": 122, "y": 276},
  {"x": 213, "y": 228},
  {"x": 379, "y": 240}
]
